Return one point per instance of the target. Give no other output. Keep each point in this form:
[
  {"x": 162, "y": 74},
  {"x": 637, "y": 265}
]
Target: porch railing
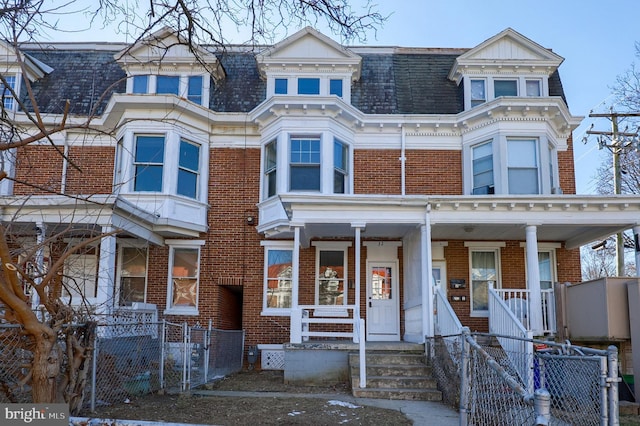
[
  {"x": 518, "y": 301},
  {"x": 304, "y": 316},
  {"x": 504, "y": 321},
  {"x": 447, "y": 322}
]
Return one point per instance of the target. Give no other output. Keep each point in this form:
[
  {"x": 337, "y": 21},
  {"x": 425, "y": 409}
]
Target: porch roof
[{"x": 573, "y": 220}]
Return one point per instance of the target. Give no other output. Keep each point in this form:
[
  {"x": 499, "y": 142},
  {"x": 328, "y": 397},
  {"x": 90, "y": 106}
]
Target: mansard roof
[{"x": 392, "y": 80}]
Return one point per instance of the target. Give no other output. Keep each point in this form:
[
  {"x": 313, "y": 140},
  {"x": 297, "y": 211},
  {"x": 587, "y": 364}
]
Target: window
[
  {"x": 482, "y": 158},
  {"x": 281, "y": 86},
  {"x": 505, "y": 88},
  {"x": 308, "y": 86},
  {"x": 484, "y": 273},
  {"x": 194, "y": 89},
  {"x": 188, "y": 166},
  {"x": 478, "y": 92},
  {"x": 133, "y": 275},
  {"x": 270, "y": 168},
  {"x": 140, "y": 84},
  {"x": 533, "y": 87},
  {"x": 331, "y": 274},
  {"x": 335, "y": 87},
  {"x": 547, "y": 271},
  {"x": 8, "y": 100},
  {"x": 522, "y": 169},
  {"x": 169, "y": 84},
  {"x": 305, "y": 164},
  {"x": 80, "y": 279},
  {"x": 552, "y": 181},
  {"x": 183, "y": 276},
  {"x": 340, "y": 167},
  {"x": 148, "y": 163},
  {"x": 278, "y": 277}
]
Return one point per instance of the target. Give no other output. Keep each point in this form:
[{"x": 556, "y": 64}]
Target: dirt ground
[{"x": 253, "y": 411}]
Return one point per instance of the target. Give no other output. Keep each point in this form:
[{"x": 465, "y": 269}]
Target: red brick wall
[
  {"x": 433, "y": 172},
  {"x": 566, "y": 169},
  {"x": 376, "y": 171},
  {"x": 93, "y": 171},
  {"x": 38, "y": 170}
]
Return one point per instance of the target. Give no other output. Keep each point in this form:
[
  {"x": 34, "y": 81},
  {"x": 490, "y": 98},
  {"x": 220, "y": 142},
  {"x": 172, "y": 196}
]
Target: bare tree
[{"x": 195, "y": 22}]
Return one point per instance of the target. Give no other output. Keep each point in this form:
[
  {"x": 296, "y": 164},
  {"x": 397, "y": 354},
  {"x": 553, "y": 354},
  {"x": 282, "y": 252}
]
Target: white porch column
[
  {"x": 41, "y": 236},
  {"x": 296, "y": 316},
  {"x": 358, "y": 227},
  {"x": 106, "y": 273},
  {"x": 636, "y": 239},
  {"x": 426, "y": 267},
  {"x": 533, "y": 280}
]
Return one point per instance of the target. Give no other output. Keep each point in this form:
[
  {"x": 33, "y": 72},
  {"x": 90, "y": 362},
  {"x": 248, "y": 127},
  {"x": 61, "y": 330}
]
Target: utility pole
[{"x": 616, "y": 142}]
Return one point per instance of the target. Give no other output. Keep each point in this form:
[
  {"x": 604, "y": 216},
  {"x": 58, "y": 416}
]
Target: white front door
[{"x": 383, "y": 319}]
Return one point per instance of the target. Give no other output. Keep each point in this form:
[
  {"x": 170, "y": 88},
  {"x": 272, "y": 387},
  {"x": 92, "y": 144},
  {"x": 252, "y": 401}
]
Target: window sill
[
  {"x": 276, "y": 313},
  {"x": 479, "y": 314},
  {"x": 181, "y": 311}
]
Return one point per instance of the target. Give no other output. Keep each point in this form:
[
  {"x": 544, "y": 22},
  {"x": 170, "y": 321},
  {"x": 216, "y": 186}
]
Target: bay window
[
  {"x": 194, "y": 89},
  {"x": 505, "y": 88},
  {"x": 270, "y": 168},
  {"x": 308, "y": 86},
  {"x": 482, "y": 164},
  {"x": 188, "y": 169},
  {"x": 148, "y": 163},
  {"x": 168, "y": 84},
  {"x": 522, "y": 166},
  {"x": 340, "y": 167},
  {"x": 305, "y": 164}
]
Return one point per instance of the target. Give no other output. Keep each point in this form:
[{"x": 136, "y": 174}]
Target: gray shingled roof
[{"x": 390, "y": 83}]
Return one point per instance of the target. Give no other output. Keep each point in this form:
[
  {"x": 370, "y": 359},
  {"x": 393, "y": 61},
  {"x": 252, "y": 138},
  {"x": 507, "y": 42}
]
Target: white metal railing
[
  {"x": 447, "y": 322},
  {"x": 504, "y": 321},
  {"x": 518, "y": 301},
  {"x": 304, "y": 316}
]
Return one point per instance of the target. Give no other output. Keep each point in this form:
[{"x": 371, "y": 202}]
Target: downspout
[
  {"x": 403, "y": 160},
  {"x": 65, "y": 166}
]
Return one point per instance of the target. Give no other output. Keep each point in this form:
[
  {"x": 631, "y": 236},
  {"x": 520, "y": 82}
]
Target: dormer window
[
  {"x": 505, "y": 88},
  {"x": 8, "y": 101},
  {"x": 478, "y": 92},
  {"x": 281, "y": 86},
  {"x": 308, "y": 86},
  {"x": 534, "y": 87},
  {"x": 192, "y": 87},
  {"x": 335, "y": 87}
]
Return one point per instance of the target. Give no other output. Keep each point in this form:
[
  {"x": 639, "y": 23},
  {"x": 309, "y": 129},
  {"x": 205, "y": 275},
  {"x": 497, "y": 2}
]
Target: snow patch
[{"x": 342, "y": 404}]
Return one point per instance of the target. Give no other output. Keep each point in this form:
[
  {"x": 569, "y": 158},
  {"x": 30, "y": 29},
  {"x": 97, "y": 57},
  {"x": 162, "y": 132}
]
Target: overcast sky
[{"x": 596, "y": 38}]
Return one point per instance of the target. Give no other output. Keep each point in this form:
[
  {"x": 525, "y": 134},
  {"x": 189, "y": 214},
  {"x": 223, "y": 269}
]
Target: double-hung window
[
  {"x": 8, "y": 100},
  {"x": 194, "y": 89},
  {"x": 485, "y": 268},
  {"x": 522, "y": 169},
  {"x": 277, "y": 276},
  {"x": 270, "y": 168},
  {"x": 80, "y": 278},
  {"x": 340, "y": 167},
  {"x": 133, "y": 275},
  {"x": 482, "y": 163},
  {"x": 188, "y": 169},
  {"x": 478, "y": 92},
  {"x": 184, "y": 272},
  {"x": 305, "y": 164},
  {"x": 331, "y": 273},
  {"x": 148, "y": 163},
  {"x": 533, "y": 88}
]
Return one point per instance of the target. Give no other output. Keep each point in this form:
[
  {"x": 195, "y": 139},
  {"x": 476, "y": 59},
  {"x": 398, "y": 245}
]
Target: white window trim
[
  {"x": 189, "y": 244},
  {"x": 183, "y": 85},
  {"x": 273, "y": 245},
  {"x": 483, "y": 246},
  {"x": 325, "y": 85},
  {"x": 125, "y": 157},
  {"x": 332, "y": 246}
]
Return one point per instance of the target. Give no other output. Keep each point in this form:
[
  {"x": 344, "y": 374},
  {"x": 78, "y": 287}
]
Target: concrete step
[
  {"x": 394, "y": 370},
  {"x": 397, "y": 382},
  {"x": 389, "y": 358},
  {"x": 398, "y": 394}
]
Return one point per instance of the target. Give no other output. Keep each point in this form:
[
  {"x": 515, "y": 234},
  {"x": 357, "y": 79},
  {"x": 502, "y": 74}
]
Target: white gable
[
  {"x": 309, "y": 51},
  {"x": 33, "y": 68},
  {"x": 508, "y": 51},
  {"x": 164, "y": 50}
]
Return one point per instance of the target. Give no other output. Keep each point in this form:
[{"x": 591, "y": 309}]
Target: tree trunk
[{"x": 45, "y": 369}]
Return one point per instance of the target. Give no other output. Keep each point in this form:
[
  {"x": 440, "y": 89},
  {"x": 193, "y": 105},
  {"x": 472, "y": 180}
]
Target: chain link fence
[
  {"x": 131, "y": 359},
  {"x": 565, "y": 385}
]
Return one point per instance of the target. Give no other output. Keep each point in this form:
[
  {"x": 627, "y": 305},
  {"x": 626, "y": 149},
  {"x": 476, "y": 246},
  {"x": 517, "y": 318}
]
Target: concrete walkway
[{"x": 420, "y": 412}]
